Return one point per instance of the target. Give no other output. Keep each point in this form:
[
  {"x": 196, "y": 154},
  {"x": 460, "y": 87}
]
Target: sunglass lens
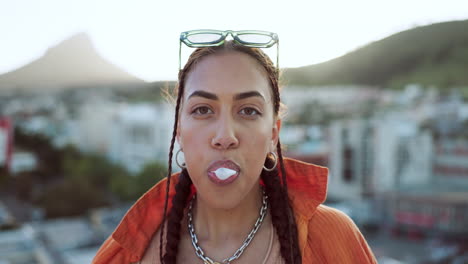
[
  {"x": 255, "y": 38},
  {"x": 202, "y": 38}
]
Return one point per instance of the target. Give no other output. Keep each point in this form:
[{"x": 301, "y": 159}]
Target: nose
[{"x": 225, "y": 136}]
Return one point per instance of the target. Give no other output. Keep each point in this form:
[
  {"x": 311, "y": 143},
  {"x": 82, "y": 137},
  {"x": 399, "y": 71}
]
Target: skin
[{"x": 217, "y": 124}]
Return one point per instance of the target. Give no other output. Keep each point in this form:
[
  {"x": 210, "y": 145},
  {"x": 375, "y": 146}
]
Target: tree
[
  {"x": 150, "y": 175},
  {"x": 4, "y": 175},
  {"x": 93, "y": 169},
  {"x": 71, "y": 198},
  {"x": 49, "y": 157},
  {"x": 128, "y": 187}
]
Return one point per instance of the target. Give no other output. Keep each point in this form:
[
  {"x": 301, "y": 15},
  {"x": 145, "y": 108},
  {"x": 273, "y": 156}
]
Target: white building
[
  {"x": 140, "y": 134},
  {"x": 23, "y": 161},
  {"x": 335, "y": 98},
  {"x": 377, "y": 156},
  {"x": 94, "y": 123},
  {"x": 403, "y": 154},
  {"x": 350, "y": 159}
]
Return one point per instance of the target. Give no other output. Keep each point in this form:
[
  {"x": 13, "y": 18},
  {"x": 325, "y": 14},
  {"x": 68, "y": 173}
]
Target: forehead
[{"x": 229, "y": 72}]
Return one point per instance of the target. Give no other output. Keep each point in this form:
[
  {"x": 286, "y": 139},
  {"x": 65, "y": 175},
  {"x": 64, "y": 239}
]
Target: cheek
[
  {"x": 195, "y": 142},
  {"x": 256, "y": 133},
  {"x": 192, "y": 140},
  {"x": 255, "y": 145},
  {"x": 257, "y": 139}
]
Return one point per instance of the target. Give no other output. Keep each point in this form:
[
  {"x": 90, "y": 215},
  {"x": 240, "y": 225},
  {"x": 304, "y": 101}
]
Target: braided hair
[{"x": 275, "y": 186}]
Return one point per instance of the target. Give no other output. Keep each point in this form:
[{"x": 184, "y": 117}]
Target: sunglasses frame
[{"x": 184, "y": 38}]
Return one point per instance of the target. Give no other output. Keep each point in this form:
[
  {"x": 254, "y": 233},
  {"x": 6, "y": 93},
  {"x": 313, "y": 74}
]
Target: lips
[{"x": 223, "y": 172}]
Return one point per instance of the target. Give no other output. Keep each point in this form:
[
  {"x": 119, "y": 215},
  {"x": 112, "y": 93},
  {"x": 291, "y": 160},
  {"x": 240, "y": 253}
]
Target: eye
[
  {"x": 250, "y": 111},
  {"x": 202, "y": 110}
]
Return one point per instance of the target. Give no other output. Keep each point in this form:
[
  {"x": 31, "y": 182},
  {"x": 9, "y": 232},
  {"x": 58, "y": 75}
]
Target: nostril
[{"x": 224, "y": 143}]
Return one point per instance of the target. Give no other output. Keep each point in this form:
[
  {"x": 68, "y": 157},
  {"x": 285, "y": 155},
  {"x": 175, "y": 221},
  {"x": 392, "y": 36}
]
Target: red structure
[
  {"x": 6, "y": 142},
  {"x": 444, "y": 214}
]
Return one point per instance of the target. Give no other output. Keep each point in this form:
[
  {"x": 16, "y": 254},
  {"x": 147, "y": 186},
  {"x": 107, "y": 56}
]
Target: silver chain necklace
[{"x": 199, "y": 251}]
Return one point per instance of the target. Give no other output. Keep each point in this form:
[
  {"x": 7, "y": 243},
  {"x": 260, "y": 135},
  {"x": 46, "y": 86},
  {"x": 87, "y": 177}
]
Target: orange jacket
[{"x": 326, "y": 235}]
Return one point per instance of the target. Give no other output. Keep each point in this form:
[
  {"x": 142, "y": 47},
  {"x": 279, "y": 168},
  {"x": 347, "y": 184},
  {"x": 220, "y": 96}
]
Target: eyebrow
[
  {"x": 237, "y": 97},
  {"x": 247, "y": 95},
  {"x": 204, "y": 94}
]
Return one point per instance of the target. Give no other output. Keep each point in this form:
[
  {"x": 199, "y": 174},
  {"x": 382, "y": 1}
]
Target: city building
[
  {"x": 105, "y": 220},
  {"x": 451, "y": 163},
  {"x": 140, "y": 134},
  {"x": 23, "y": 161},
  {"x": 94, "y": 123},
  {"x": 6, "y": 219},
  {"x": 57, "y": 241},
  {"x": 438, "y": 208},
  {"x": 351, "y": 159},
  {"x": 371, "y": 161},
  {"x": 306, "y": 143},
  {"x": 403, "y": 153},
  {"x": 79, "y": 233},
  {"x": 79, "y": 256},
  {"x": 18, "y": 246},
  {"x": 336, "y": 98}
]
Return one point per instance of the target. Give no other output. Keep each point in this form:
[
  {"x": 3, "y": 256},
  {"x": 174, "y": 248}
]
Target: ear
[{"x": 275, "y": 134}]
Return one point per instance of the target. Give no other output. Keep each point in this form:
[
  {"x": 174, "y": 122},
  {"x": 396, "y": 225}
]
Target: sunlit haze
[{"x": 142, "y": 36}]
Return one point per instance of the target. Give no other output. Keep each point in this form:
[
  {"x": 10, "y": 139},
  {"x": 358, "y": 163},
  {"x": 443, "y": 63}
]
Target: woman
[{"x": 236, "y": 199}]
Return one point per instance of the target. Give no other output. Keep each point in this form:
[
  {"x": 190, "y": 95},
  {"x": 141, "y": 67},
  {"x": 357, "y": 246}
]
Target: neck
[{"x": 214, "y": 225}]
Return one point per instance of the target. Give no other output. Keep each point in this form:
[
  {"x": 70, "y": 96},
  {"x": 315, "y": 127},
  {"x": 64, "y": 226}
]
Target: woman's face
[{"x": 227, "y": 126}]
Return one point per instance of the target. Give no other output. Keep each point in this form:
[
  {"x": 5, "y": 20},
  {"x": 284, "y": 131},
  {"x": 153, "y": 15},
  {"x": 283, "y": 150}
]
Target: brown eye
[
  {"x": 249, "y": 111},
  {"x": 202, "y": 110}
]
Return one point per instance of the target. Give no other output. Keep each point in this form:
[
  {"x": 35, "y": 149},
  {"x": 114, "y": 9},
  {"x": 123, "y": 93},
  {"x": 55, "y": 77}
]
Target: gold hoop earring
[
  {"x": 274, "y": 165},
  {"x": 183, "y": 166}
]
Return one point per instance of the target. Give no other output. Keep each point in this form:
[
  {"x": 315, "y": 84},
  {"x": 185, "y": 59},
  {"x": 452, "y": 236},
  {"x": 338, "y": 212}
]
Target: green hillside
[{"x": 430, "y": 55}]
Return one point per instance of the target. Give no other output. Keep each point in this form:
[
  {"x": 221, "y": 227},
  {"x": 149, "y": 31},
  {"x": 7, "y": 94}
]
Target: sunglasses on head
[{"x": 211, "y": 38}]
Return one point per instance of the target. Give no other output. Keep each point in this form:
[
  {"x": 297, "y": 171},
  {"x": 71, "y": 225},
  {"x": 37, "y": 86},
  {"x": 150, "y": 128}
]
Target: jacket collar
[{"x": 307, "y": 186}]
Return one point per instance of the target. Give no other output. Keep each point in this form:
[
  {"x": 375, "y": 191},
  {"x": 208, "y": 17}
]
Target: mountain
[
  {"x": 436, "y": 55},
  {"x": 73, "y": 62}
]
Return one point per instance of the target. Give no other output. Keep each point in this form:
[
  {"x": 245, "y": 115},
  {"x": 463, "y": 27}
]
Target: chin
[{"x": 224, "y": 201}]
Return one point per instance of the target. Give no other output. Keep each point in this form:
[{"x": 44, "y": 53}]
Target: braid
[
  {"x": 169, "y": 165},
  {"x": 175, "y": 217},
  {"x": 293, "y": 236},
  {"x": 284, "y": 224},
  {"x": 289, "y": 243}
]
